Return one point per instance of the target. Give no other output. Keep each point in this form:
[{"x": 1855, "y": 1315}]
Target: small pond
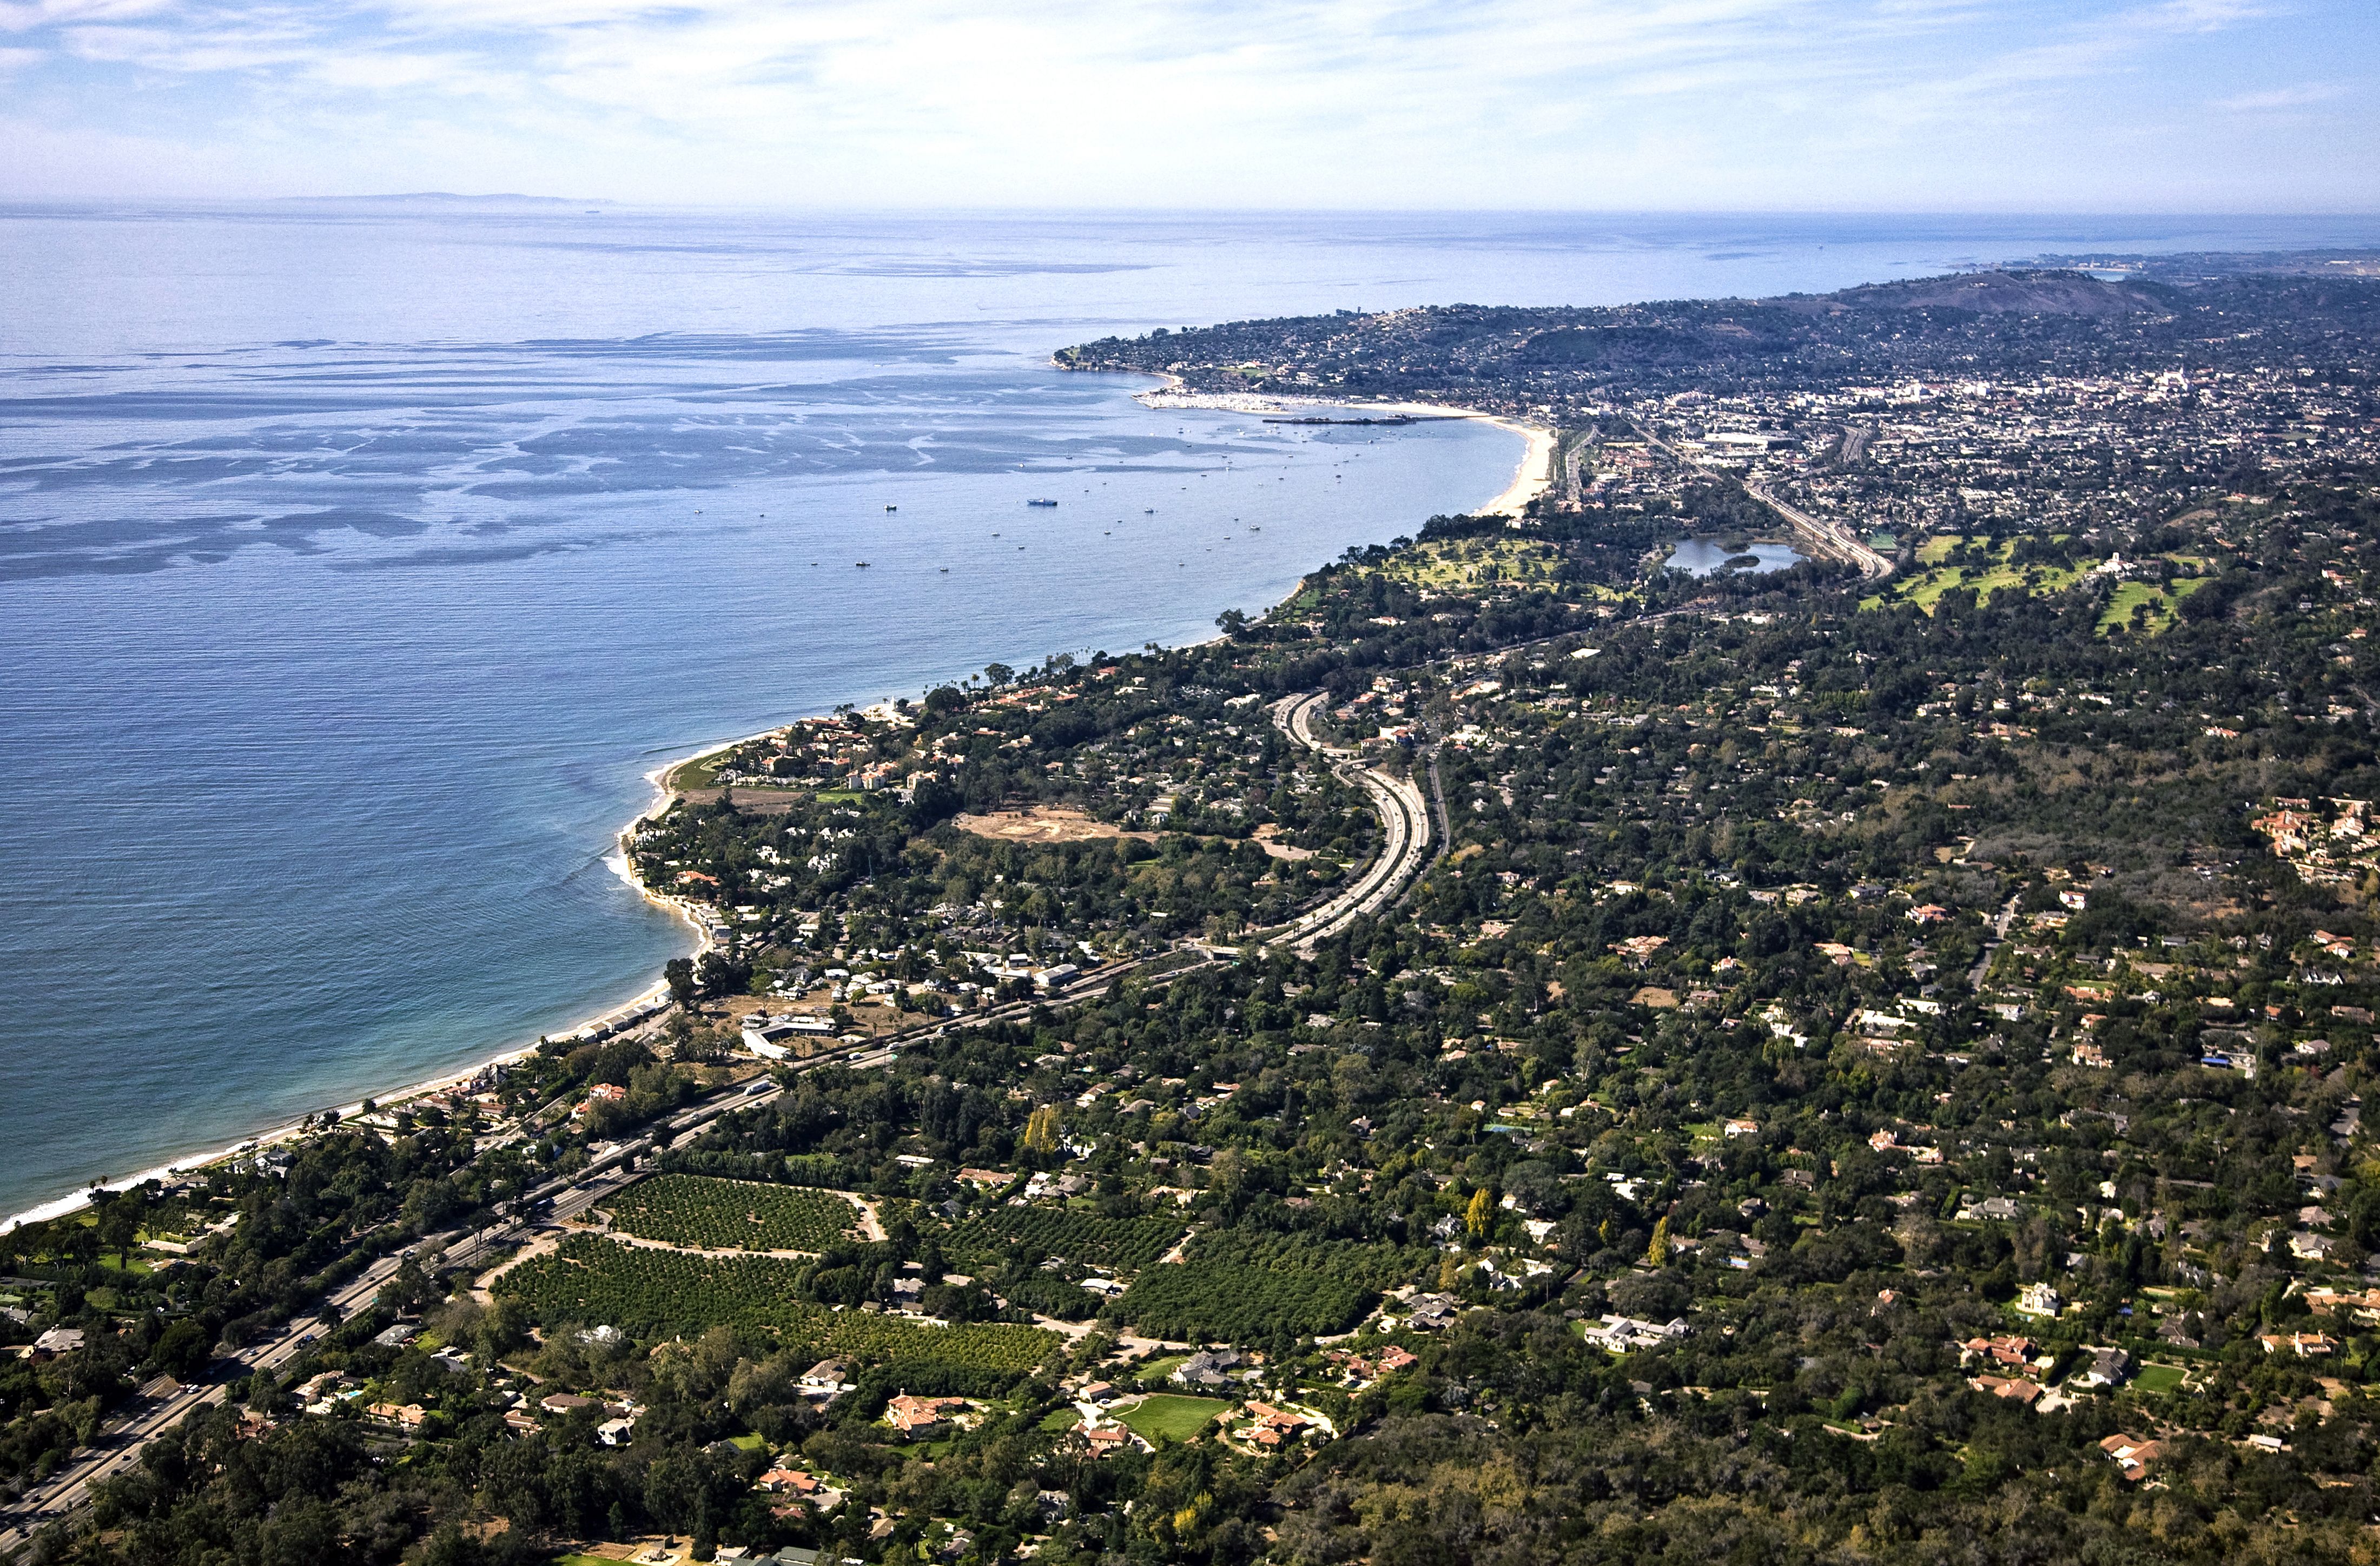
[{"x": 1701, "y": 557}]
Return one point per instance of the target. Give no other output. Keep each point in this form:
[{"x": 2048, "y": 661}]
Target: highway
[
  {"x": 1831, "y": 541},
  {"x": 121, "y": 1438},
  {"x": 1834, "y": 539},
  {"x": 1404, "y": 823},
  {"x": 1404, "y": 817}
]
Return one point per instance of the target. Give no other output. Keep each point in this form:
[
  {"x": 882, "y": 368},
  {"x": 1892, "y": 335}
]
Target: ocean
[{"x": 359, "y": 563}]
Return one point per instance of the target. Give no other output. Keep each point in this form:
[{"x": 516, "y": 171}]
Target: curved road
[
  {"x": 1404, "y": 820},
  {"x": 1404, "y": 817}
]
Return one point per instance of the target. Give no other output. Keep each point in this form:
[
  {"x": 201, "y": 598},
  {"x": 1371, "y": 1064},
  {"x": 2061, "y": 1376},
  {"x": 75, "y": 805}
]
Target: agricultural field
[
  {"x": 1170, "y": 1416},
  {"x": 1372, "y": 1266},
  {"x": 1081, "y": 1237},
  {"x": 1221, "y": 1302},
  {"x": 655, "y": 1293},
  {"x": 722, "y": 1215}
]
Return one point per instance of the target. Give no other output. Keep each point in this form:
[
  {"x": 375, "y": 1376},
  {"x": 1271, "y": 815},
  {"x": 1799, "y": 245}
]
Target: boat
[
  {"x": 862, "y": 565},
  {"x": 1040, "y": 503},
  {"x": 892, "y": 508}
]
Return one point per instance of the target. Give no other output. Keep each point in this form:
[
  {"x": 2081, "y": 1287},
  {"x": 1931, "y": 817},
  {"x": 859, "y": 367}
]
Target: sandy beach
[
  {"x": 1530, "y": 480},
  {"x": 298, "y": 1129}
]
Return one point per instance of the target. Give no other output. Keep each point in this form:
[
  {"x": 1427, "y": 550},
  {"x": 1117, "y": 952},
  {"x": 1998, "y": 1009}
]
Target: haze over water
[{"x": 356, "y": 563}]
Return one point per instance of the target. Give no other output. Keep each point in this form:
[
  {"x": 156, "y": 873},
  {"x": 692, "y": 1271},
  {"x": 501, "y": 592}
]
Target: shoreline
[
  {"x": 1526, "y": 486},
  {"x": 296, "y": 1129},
  {"x": 1532, "y": 477}
]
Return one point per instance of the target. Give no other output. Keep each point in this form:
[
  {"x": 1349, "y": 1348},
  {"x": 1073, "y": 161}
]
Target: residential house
[
  {"x": 2131, "y": 1454},
  {"x": 1622, "y": 1334},
  {"x": 1209, "y": 1367},
  {"x": 1431, "y": 1312},
  {"x": 58, "y": 1340},
  {"x": 2305, "y": 1345},
  {"x": 410, "y": 1417},
  {"x": 916, "y": 1417}
]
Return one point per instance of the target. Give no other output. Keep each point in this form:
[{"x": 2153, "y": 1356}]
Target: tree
[
  {"x": 119, "y": 1225},
  {"x": 679, "y": 973},
  {"x": 1479, "y": 1215},
  {"x": 181, "y": 1350},
  {"x": 1232, "y": 622}
]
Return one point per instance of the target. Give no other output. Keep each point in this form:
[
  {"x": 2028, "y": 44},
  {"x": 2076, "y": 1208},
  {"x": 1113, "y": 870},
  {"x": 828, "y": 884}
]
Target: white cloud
[
  {"x": 1154, "y": 102},
  {"x": 2281, "y": 98}
]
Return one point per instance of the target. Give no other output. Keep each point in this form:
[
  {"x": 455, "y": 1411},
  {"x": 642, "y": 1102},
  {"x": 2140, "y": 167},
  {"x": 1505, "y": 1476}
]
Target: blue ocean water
[{"x": 359, "y": 561}]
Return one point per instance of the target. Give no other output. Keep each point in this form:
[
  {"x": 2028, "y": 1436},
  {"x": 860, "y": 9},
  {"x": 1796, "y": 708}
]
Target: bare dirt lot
[
  {"x": 751, "y": 801},
  {"x": 1044, "y": 824}
]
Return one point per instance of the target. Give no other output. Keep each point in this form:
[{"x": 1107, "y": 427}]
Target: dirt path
[{"x": 871, "y": 1222}]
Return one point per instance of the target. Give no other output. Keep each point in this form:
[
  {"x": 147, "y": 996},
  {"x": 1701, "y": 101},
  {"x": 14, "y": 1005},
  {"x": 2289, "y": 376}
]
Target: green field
[
  {"x": 654, "y": 1294},
  {"x": 1926, "y": 587},
  {"x": 1061, "y": 1419},
  {"x": 1170, "y": 1416},
  {"x": 694, "y": 1209},
  {"x": 700, "y": 772},
  {"x": 1220, "y": 1302},
  {"x": 2159, "y": 1378},
  {"x": 1933, "y": 579},
  {"x": 2161, "y": 602},
  {"x": 1075, "y": 1237}
]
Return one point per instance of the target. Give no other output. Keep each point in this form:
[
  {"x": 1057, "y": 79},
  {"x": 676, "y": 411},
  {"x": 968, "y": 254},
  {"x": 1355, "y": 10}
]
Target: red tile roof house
[
  {"x": 2003, "y": 1387},
  {"x": 1108, "y": 1441},
  {"x": 919, "y": 1416},
  {"x": 2131, "y": 1454}
]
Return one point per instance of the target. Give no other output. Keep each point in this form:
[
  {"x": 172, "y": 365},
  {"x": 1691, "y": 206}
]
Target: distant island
[{"x": 446, "y": 199}]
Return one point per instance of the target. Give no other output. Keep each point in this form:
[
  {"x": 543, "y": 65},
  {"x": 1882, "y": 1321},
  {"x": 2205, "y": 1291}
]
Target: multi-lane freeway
[
  {"x": 557, "y": 1201},
  {"x": 1831, "y": 541},
  {"x": 1405, "y": 823}
]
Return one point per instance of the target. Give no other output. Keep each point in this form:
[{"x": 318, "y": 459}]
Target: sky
[{"x": 1933, "y": 106}]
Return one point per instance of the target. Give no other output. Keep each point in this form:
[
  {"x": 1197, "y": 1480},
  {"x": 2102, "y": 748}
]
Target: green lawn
[
  {"x": 1171, "y": 1415},
  {"x": 2156, "y": 1379},
  {"x": 1926, "y": 588},
  {"x": 747, "y": 1443},
  {"x": 2161, "y": 602},
  {"x": 1158, "y": 1368},
  {"x": 700, "y": 772},
  {"x": 1061, "y": 1419}
]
